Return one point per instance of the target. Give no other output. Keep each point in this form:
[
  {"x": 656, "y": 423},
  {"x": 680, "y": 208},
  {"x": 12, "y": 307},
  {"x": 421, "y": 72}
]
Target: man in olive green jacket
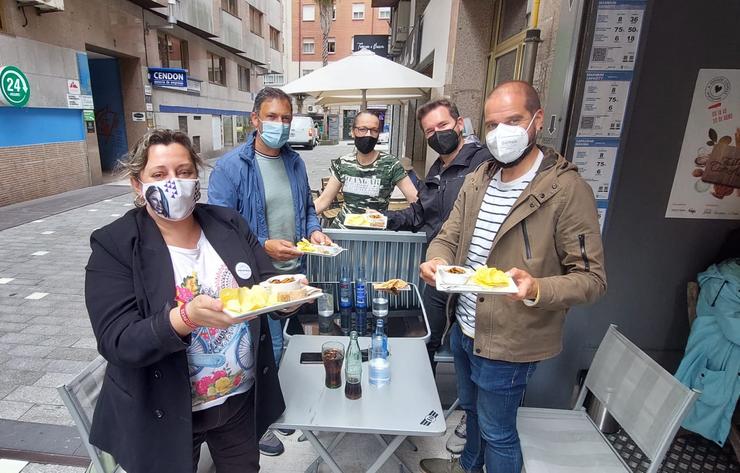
[{"x": 529, "y": 213}]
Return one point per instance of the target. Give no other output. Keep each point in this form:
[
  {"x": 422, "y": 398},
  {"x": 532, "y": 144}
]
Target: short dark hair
[
  {"x": 271, "y": 93},
  {"x": 531, "y": 97},
  {"x": 424, "y": 110},
  {"x": 364, "y": 112}
]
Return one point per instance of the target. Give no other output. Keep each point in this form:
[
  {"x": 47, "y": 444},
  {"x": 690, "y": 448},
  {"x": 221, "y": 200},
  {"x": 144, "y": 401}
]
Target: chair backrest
[
  {"x": 80, "y": 396},
  {"x": 383, "y": 254},
  {"x": 646, "y": 400}
]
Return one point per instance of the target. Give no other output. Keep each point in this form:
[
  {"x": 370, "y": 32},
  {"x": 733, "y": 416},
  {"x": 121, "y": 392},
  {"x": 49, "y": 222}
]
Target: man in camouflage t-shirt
[
  {"x": 365, "y": 176},
  {"x": 366, "y": 187}
]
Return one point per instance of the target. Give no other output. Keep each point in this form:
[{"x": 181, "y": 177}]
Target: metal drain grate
[{"x": 689, "y": 453}]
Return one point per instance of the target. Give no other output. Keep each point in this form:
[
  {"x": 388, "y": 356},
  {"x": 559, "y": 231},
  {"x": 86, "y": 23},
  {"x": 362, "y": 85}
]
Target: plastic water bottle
[
  {"x": 345, "y": 301},
  {"x": 360, "y": 303},
  {"x": 379, "y": 365}
]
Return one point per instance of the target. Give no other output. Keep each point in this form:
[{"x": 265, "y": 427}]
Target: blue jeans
[
  {"x": 276, "y": 332},
  {"x": 490, "y": 392}
]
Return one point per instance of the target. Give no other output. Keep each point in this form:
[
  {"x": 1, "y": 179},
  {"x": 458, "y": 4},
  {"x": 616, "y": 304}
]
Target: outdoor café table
[
  {"x": 408, "y": 406},
  {"x": 406, "y": 317}
]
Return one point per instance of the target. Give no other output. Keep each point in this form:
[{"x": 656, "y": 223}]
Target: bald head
[
  {"x": 513, "y": 103},
  {"x": 519, "y": 88}
]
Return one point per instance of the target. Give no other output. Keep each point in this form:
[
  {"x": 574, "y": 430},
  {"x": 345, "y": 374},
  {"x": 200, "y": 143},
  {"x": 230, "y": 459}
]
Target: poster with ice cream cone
[{"x": 707, "y": 181}]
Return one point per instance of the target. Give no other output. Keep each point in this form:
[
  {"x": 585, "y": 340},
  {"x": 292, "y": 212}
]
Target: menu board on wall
[
  {"x": 618, "y": 26},
  {"x": 612, "y": 58},
  {"x": 707, "y": 181}
]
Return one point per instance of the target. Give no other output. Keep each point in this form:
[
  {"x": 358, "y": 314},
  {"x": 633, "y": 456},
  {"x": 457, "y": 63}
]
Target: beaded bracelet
[{"x": 184, "y": 316}]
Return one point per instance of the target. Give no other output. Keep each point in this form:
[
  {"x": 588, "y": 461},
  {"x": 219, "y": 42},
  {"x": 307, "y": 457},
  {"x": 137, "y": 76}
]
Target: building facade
[
  {"x": 469, "y": 47},
  {"x": 355, "y": 23},
  {"x": 619, "y": 81},
  {"x": 91, "y": 68}
]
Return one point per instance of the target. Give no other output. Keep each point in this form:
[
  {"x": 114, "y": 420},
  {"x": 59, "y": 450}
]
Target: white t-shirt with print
[{"x": 221, "y": 362}]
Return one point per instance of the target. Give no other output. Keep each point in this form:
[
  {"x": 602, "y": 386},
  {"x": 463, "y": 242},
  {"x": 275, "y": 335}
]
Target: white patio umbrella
[{"x": 362, "y": 77}]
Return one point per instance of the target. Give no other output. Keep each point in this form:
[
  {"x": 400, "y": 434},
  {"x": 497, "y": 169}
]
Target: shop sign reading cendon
[{"x": 707, "y": 181}]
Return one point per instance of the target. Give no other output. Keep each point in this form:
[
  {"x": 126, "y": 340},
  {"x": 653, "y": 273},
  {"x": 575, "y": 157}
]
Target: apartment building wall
[
  {"x": 456, "y": 43},
  {"x": 343, "y": 28},
  {"x": 55, "y": 48}
]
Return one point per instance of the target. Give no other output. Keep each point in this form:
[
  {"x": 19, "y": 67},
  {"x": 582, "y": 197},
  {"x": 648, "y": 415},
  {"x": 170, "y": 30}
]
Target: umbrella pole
[{"x": 364, "y": 99}]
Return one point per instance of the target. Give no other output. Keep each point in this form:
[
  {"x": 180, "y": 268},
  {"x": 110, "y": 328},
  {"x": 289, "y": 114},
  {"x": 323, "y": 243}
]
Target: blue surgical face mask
[{"x": 275, "y": 134}]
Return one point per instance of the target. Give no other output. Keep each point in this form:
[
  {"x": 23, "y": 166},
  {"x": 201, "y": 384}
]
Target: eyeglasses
[{"x": 363, "y": 131}]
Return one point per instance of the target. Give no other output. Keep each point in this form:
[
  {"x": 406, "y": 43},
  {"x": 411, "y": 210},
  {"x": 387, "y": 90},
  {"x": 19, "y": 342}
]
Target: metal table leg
[
  {"x": 411, "y": 443},
  {"x": 387, "y": 453},
  {"x": 335, "y": 441},
  {"x": 453, "y": 407},
  {"x": 403, "y": 466},
  {"x": 323, "y": 452}
]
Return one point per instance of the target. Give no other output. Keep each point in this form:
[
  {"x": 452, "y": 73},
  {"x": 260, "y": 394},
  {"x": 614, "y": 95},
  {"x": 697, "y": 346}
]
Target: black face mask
[
  {"x": 444, "y": 142},
  {"x": 365, "y": 144}
]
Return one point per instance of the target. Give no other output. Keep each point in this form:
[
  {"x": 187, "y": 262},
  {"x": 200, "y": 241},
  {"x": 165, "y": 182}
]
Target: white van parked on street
[{"x": 302, "y": 132}]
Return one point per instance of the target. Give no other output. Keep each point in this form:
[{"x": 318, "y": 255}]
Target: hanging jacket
[{"x": 711, "y": 363}]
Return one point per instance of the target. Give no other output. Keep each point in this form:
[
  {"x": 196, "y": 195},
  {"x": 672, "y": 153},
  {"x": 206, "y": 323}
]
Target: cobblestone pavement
[{"x": 45, "y": 334}]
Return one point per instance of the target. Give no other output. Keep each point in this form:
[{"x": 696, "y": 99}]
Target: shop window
[
  {"x": 182, "y": 123},
  {"x": 216, "y": 69},
  {"x": 173, "y": 52},
  {"x": 513, "y": 18}
]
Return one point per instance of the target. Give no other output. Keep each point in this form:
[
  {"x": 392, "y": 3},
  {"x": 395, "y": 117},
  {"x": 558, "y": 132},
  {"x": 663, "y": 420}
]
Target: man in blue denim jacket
[{"x": 266, "y": 182}]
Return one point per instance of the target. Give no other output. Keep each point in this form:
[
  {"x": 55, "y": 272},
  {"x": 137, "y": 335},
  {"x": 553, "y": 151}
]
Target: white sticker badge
[{"x": 243, "y": 270}]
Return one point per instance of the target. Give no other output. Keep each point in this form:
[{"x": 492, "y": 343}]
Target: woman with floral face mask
[
  {"x": 365, "y": 176},
  {"x": 180, "y": 371}
]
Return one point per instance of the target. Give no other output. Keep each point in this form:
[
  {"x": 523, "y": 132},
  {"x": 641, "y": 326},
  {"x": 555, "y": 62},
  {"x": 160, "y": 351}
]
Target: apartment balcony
[{"x": 274, "y": 80}]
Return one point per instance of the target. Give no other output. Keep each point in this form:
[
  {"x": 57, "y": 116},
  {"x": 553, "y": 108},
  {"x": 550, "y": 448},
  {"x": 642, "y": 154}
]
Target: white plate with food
[
  {"x": 482, "y": 281},
  {"x": 317, "y": 249},
  {"x": 392, "y": 285},
  {"x": 374, "y": 220},
  {"x": 248, "y": 303}
]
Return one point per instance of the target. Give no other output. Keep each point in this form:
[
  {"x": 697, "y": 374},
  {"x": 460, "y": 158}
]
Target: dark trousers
[
  {"x": 229, "y": 431},
  {"x": 435, "y": 303}
]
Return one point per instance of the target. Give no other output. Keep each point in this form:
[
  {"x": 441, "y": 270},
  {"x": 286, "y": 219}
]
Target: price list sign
[
  {"x": 595, "y": 159},
  {"x": 613, "y": 53},
  {"x": 617, "y": 29},
  {"x": 604, "y": 101}
]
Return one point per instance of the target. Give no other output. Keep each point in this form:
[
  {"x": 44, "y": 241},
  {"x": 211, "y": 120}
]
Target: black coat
[
  {"x": 438, "y": 192},
  {"x": 144, "y": 414}
]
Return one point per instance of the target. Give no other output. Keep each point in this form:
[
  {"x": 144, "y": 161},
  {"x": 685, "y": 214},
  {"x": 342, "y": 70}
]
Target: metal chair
[
  {"x": 80, "y": 396},
  {"x": 646, "y": 400}
]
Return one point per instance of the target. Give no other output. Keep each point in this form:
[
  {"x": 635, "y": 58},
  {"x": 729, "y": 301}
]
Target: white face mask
[
  {"x": 172, "y": 199},
  {"x": 507, "y": 143}
]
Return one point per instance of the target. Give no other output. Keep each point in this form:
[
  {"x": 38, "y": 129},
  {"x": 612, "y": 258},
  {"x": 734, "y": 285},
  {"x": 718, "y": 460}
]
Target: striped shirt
[{"x": 497, "y": 203}]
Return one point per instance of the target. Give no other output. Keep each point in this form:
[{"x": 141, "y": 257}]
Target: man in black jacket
[{"x": 442, "y": 125}]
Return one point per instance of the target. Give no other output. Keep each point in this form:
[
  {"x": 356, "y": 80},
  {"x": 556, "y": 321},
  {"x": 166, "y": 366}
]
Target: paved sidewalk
[{"x": 45, "y": 334}]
